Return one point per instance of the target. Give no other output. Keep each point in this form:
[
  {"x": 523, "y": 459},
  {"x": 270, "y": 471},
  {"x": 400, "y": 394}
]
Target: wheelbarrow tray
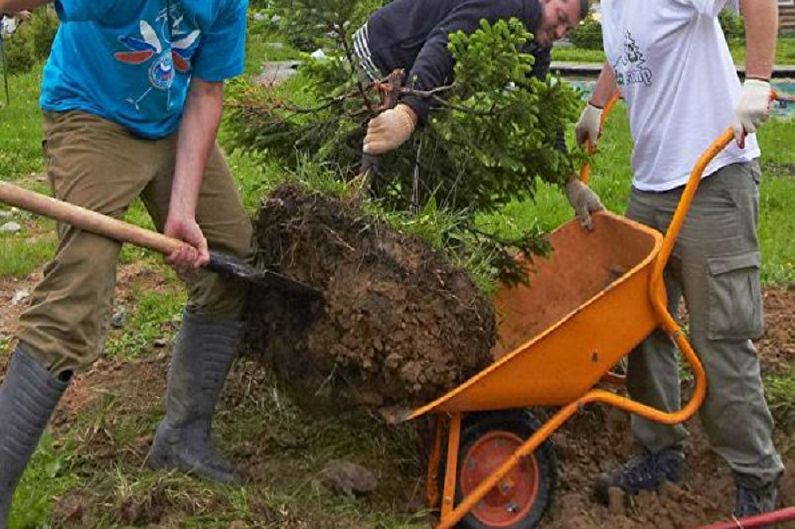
[{"x": 587, "y": 305}]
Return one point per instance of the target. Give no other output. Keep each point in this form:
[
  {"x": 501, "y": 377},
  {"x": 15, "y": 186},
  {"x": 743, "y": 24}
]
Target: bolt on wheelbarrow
[{"x": 558, "y": 340}]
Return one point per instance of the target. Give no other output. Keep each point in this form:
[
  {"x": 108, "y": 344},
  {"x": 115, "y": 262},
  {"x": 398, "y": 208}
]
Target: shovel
[{"x": 118, "y": 230}]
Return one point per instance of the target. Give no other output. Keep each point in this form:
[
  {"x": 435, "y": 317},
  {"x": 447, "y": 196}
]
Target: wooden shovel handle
[{"x": 86, "y": 219}]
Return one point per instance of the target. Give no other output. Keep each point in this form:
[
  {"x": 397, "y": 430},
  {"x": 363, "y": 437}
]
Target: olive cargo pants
[
  {"x": 100, "y": 165},
  {"x": 715, "y": 266}
]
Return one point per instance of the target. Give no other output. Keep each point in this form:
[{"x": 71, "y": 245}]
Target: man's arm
[
  {"x": 761, "y": 27},
  {"x": 14, "y": 6},
  {"x": 197, "y": 135}
]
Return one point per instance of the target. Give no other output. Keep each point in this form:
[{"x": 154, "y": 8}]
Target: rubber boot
[
  {"x": 203, "y": 354},
  {"x": 28, "y": 397}
]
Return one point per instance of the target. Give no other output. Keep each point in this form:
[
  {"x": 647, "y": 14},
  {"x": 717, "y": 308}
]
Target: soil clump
[{"x": 399, "y": 327}]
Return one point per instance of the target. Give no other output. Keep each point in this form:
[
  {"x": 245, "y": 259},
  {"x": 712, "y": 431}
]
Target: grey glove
[{"x": 583, "y": 200}]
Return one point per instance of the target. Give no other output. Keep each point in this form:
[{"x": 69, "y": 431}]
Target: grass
[
  {"x": 153, "y": 315},
  {"x": 49, "y": 475},
  {"x": 785, "y": 53},
  {"x": 20, "y": 128}
]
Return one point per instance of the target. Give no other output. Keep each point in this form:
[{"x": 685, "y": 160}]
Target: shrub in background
[
  {"x": 31, "y": 42},
  {"x": 732, "y": 24},
  {"x": 587, "y": 34}
]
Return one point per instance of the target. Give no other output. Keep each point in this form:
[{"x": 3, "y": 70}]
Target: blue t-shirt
[{"x": 131, "y": 61}]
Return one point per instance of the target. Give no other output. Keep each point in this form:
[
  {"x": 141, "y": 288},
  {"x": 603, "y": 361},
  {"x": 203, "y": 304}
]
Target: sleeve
[
  {"x": 221, "y": 53},
  {"x": 433, "y": 66},
  {"x": 107, "y": 12}
]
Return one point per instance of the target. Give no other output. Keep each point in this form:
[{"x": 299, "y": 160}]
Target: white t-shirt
[{"x": 673, "y": 67}]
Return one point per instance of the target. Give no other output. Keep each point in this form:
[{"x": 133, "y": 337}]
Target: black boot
[
  {"x": 28, "y": 397},
  {"x": 202, "y": 357},
  {"x": 753, "y": 498},
  {"x": 646, "y": 471}
]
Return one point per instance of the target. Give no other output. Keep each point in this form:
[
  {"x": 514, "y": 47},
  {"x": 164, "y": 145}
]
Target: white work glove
[
  {"x": 389, "y": 130},
  {"x": 583, "y": 200},
  {"x": 752, "y": 109},
  {"x": 588, "y": 127}
]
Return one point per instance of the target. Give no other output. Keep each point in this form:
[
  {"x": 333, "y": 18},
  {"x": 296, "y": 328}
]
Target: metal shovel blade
[{"x": 224, "y": 264}]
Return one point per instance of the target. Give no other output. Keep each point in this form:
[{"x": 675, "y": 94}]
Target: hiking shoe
[
  {"x": 646, "y": 471},
  {"x": 755, "y": 500}
]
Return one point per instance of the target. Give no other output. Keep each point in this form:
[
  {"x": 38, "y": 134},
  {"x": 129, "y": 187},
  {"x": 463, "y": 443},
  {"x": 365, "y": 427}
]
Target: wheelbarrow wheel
[{"x": 521, "y": 499}]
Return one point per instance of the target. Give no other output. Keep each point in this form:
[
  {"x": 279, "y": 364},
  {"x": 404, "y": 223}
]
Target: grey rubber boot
[
  {"x": 202, "y": 357},
  {"x": 28, "y": 397}
]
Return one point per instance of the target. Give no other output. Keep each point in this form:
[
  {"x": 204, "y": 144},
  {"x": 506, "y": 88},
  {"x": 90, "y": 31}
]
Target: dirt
[{"x": 400, "y": 325}]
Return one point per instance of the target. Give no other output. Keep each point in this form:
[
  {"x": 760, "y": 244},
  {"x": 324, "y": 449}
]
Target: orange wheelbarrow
[{"x": 558, "y": 340}]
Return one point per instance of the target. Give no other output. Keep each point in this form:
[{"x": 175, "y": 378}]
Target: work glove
[
  {"x": 588, "y": 127},
  {"x": 389, "y": 130},
  {"x": 752, "y": 109},
  {"x": 583, "y": 200}
]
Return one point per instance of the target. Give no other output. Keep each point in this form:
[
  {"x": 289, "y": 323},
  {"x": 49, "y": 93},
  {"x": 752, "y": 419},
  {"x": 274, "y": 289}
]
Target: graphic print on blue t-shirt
[
  {"x": 157, "y": 49},
  {"x": 630, "y": 68}
]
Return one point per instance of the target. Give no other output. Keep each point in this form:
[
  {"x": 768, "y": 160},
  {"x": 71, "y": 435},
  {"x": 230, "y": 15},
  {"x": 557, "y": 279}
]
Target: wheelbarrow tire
[{"x": 487, "y": 439}]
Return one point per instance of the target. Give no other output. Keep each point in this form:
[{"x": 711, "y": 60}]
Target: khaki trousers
[
  {"x": 100, "y": 165},
  {"x": 715, "y": 266}
]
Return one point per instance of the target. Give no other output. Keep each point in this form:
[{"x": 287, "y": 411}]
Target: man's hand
[
  {"x": 389, "y": 130},
  {"x": 752, "y": 109},
  {"x": 588, "y": 128},
  {"x": 193, "y": 255},
  {"x": 583, "y": 200}
]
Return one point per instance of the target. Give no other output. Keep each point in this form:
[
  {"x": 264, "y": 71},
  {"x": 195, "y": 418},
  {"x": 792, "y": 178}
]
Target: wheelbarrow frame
[{"x": 451, "y": 514}]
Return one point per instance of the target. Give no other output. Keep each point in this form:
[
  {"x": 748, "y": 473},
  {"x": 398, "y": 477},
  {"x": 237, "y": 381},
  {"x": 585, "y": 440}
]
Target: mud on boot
[
  {"x": 753, "y": 498},
  {"x": 28, "y": 396},
  {"x": 646, "y": 471},
  {"x": 202, "y": 357}
]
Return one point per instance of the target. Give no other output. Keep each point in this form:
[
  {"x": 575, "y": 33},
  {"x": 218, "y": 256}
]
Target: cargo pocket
[{"x": 735, "y": 297}]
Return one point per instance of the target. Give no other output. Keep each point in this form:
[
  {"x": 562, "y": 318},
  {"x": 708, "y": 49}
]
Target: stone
[
  {"x": 348, "y": 479},
  {"x": 119, "y": 318},
  {"x": 10, "y": 227},
  {"x": 20, "y": 296}
]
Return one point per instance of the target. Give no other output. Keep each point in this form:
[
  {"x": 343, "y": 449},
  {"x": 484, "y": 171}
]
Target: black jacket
[{"x": 412, "y": 35}]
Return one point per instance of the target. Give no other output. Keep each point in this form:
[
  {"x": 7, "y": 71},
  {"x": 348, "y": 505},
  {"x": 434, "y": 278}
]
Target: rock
[
  {"x": 20, "y": 296},
  {"x": 319, "y": 55},
  {"x": 160, "y": 343},
  {"x": 348, "y": 479},
  {"x": 10, "y": 227},
  {"x": 6, "y": 214},
  {"x": 119, "y": 318}
]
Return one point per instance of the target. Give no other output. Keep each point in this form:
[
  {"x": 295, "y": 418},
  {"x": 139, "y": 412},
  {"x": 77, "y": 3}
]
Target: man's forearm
[
  {"x": 197, "y": 134},
  {"x": 761, "y": 27},
  {"x": 605, "y": 87},
  {"x": 14, "y": 6}
]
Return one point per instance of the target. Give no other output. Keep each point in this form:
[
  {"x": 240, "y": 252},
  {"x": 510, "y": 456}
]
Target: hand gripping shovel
[{"x": 123, "y": 232}]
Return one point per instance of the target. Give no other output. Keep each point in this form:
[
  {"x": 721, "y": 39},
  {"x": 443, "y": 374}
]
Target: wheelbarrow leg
[
  {"x": 432, "y": 484},
  {"x": 451, "y": 471}
]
